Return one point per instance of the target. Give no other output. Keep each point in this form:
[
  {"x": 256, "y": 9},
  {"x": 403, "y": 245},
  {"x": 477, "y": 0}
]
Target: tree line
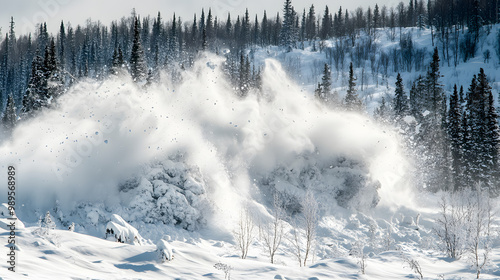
[{"x": 456, "y": 139}]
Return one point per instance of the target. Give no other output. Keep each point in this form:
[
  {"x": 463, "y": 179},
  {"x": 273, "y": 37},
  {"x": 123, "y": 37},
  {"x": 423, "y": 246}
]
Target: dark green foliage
[
  {"x": 287, "y": 38},
  {"x": 9, "y": 118},
  {"x": 326, "y": 83},
  {"x": 455, "y": 136},
  {"x": 400, "y": 102},
  {"x": 352, "y": 101},
  {"x": 138, "y": 68}
]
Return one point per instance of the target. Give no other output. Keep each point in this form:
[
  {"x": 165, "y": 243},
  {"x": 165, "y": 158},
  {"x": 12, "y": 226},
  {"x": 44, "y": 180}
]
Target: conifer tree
[
  {"x": 325, "y": 25},
  {"x": 37, "y": 87},
  {"x": 138, "y": 68},
  {"x": 455, "y": 136},
  {"x": 487, "y": 130},
  {"x": 54, "y": 76},
  {"x": 492, "y": 143},
  {"x": 311, "y": 24},
  {"x": 352, "y": 101},
  {"x": 326, "y": 83},
  {"x": 286, "y": 33},
  {"x": 466, "y": 149},
  {"x": 117, "y": 61},
  {"x": 381, "y": 112},
  {"x": 9, "y": 118},
  {"x": 435, "y": 90},
  {"x": 400, "y": 102}
]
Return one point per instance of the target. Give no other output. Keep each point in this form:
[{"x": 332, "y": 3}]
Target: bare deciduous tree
[
  {"x": 272, "y": 233},
  {"x": 465, "y": 226},
  {"x": 244, "y": 234},
  {"x": 357, "y": 251},
  {"x": 310, "y": 212},
  {"x": 479, "y": 230}
]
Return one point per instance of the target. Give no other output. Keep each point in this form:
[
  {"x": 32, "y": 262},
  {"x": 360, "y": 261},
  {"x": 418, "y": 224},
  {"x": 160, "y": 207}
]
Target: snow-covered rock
[{"x": 119, "y": 230}]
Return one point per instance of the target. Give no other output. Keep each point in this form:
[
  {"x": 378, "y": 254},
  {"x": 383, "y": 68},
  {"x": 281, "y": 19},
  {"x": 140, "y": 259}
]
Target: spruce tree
[
  {"x": 138, "y": 67},
  {"x": 455, "y": 136},
  {"x": 352, "y": 101},
  {"x": 9, "y": 118},
  {"x": 492, "y": 144},
  {"x": 55, "y": 79},
  {"x": 37, "y": 88},
  {"x": 326, "y": 83},
  {"x": 400, "y": 101},
  {"x": 381, "y": 112},
  {"x": 488, "y": 130},
  {"x": 325, "y": 25},
  {"x": 435, "y": 90},
  {"x": 286, "y": 33},
  {"x": 117, "y": 61}
]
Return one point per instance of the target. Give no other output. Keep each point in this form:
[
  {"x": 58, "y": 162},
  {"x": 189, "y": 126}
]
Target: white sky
[{"x": 27, "y": 13}]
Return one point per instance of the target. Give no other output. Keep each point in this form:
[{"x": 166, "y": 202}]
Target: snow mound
[
  {"x": 164, "y": 251},
  {"x": 119, "y": 230},
  {"x": 6, "y": 223}
]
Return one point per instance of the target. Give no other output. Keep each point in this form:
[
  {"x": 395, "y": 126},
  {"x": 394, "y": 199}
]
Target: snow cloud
[{"x": 101, "y": 133}]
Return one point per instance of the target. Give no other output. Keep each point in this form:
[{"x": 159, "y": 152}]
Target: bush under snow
[
  {"x": 119, "y": 230},
  {"x": 164, "y": 251}
]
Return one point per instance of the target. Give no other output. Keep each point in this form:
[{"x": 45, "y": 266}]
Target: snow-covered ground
[
  {"x": 63, "y": 254},
  {"x": 196, "y": 155}
]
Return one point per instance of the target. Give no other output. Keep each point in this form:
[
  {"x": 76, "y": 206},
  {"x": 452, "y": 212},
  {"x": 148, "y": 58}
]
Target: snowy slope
[{"x": 64, "y": 255}]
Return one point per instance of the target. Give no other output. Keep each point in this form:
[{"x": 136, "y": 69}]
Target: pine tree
[
  {"x": 381, "y": 112},
  {"x": 400, "y": 101},
  {"x": 37, "y": 88},
  {"x": 325, "y": 25},
  {"x": 55, "y": 79},
  {"x": 435, "y": 90},
  {"x": 326, "y": 83},
  {"x": 311, "y": 24},
  {"x": 61, "y": 44},
  {"x": 492, "y": 142},
  {"x": 376, "y": 17},
  {"x": 489, "y": 131},
  {"x": 244, "y": 75},
  {"x": 286, "y": 33},
  {"x": 455, "y": 135},
  {"x": 352, "y": 101},
  {"x": 138, "y": 67},
  {"x": 265, "y": 33},
  {"x": 466, "y": 144},
  {"x": 9, "y": 118},
  {"x": 117, "y": 61}
]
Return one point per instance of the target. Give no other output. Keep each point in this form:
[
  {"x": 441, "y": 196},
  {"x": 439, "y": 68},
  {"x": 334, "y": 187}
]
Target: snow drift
[{"x": 196, "y": 152}]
